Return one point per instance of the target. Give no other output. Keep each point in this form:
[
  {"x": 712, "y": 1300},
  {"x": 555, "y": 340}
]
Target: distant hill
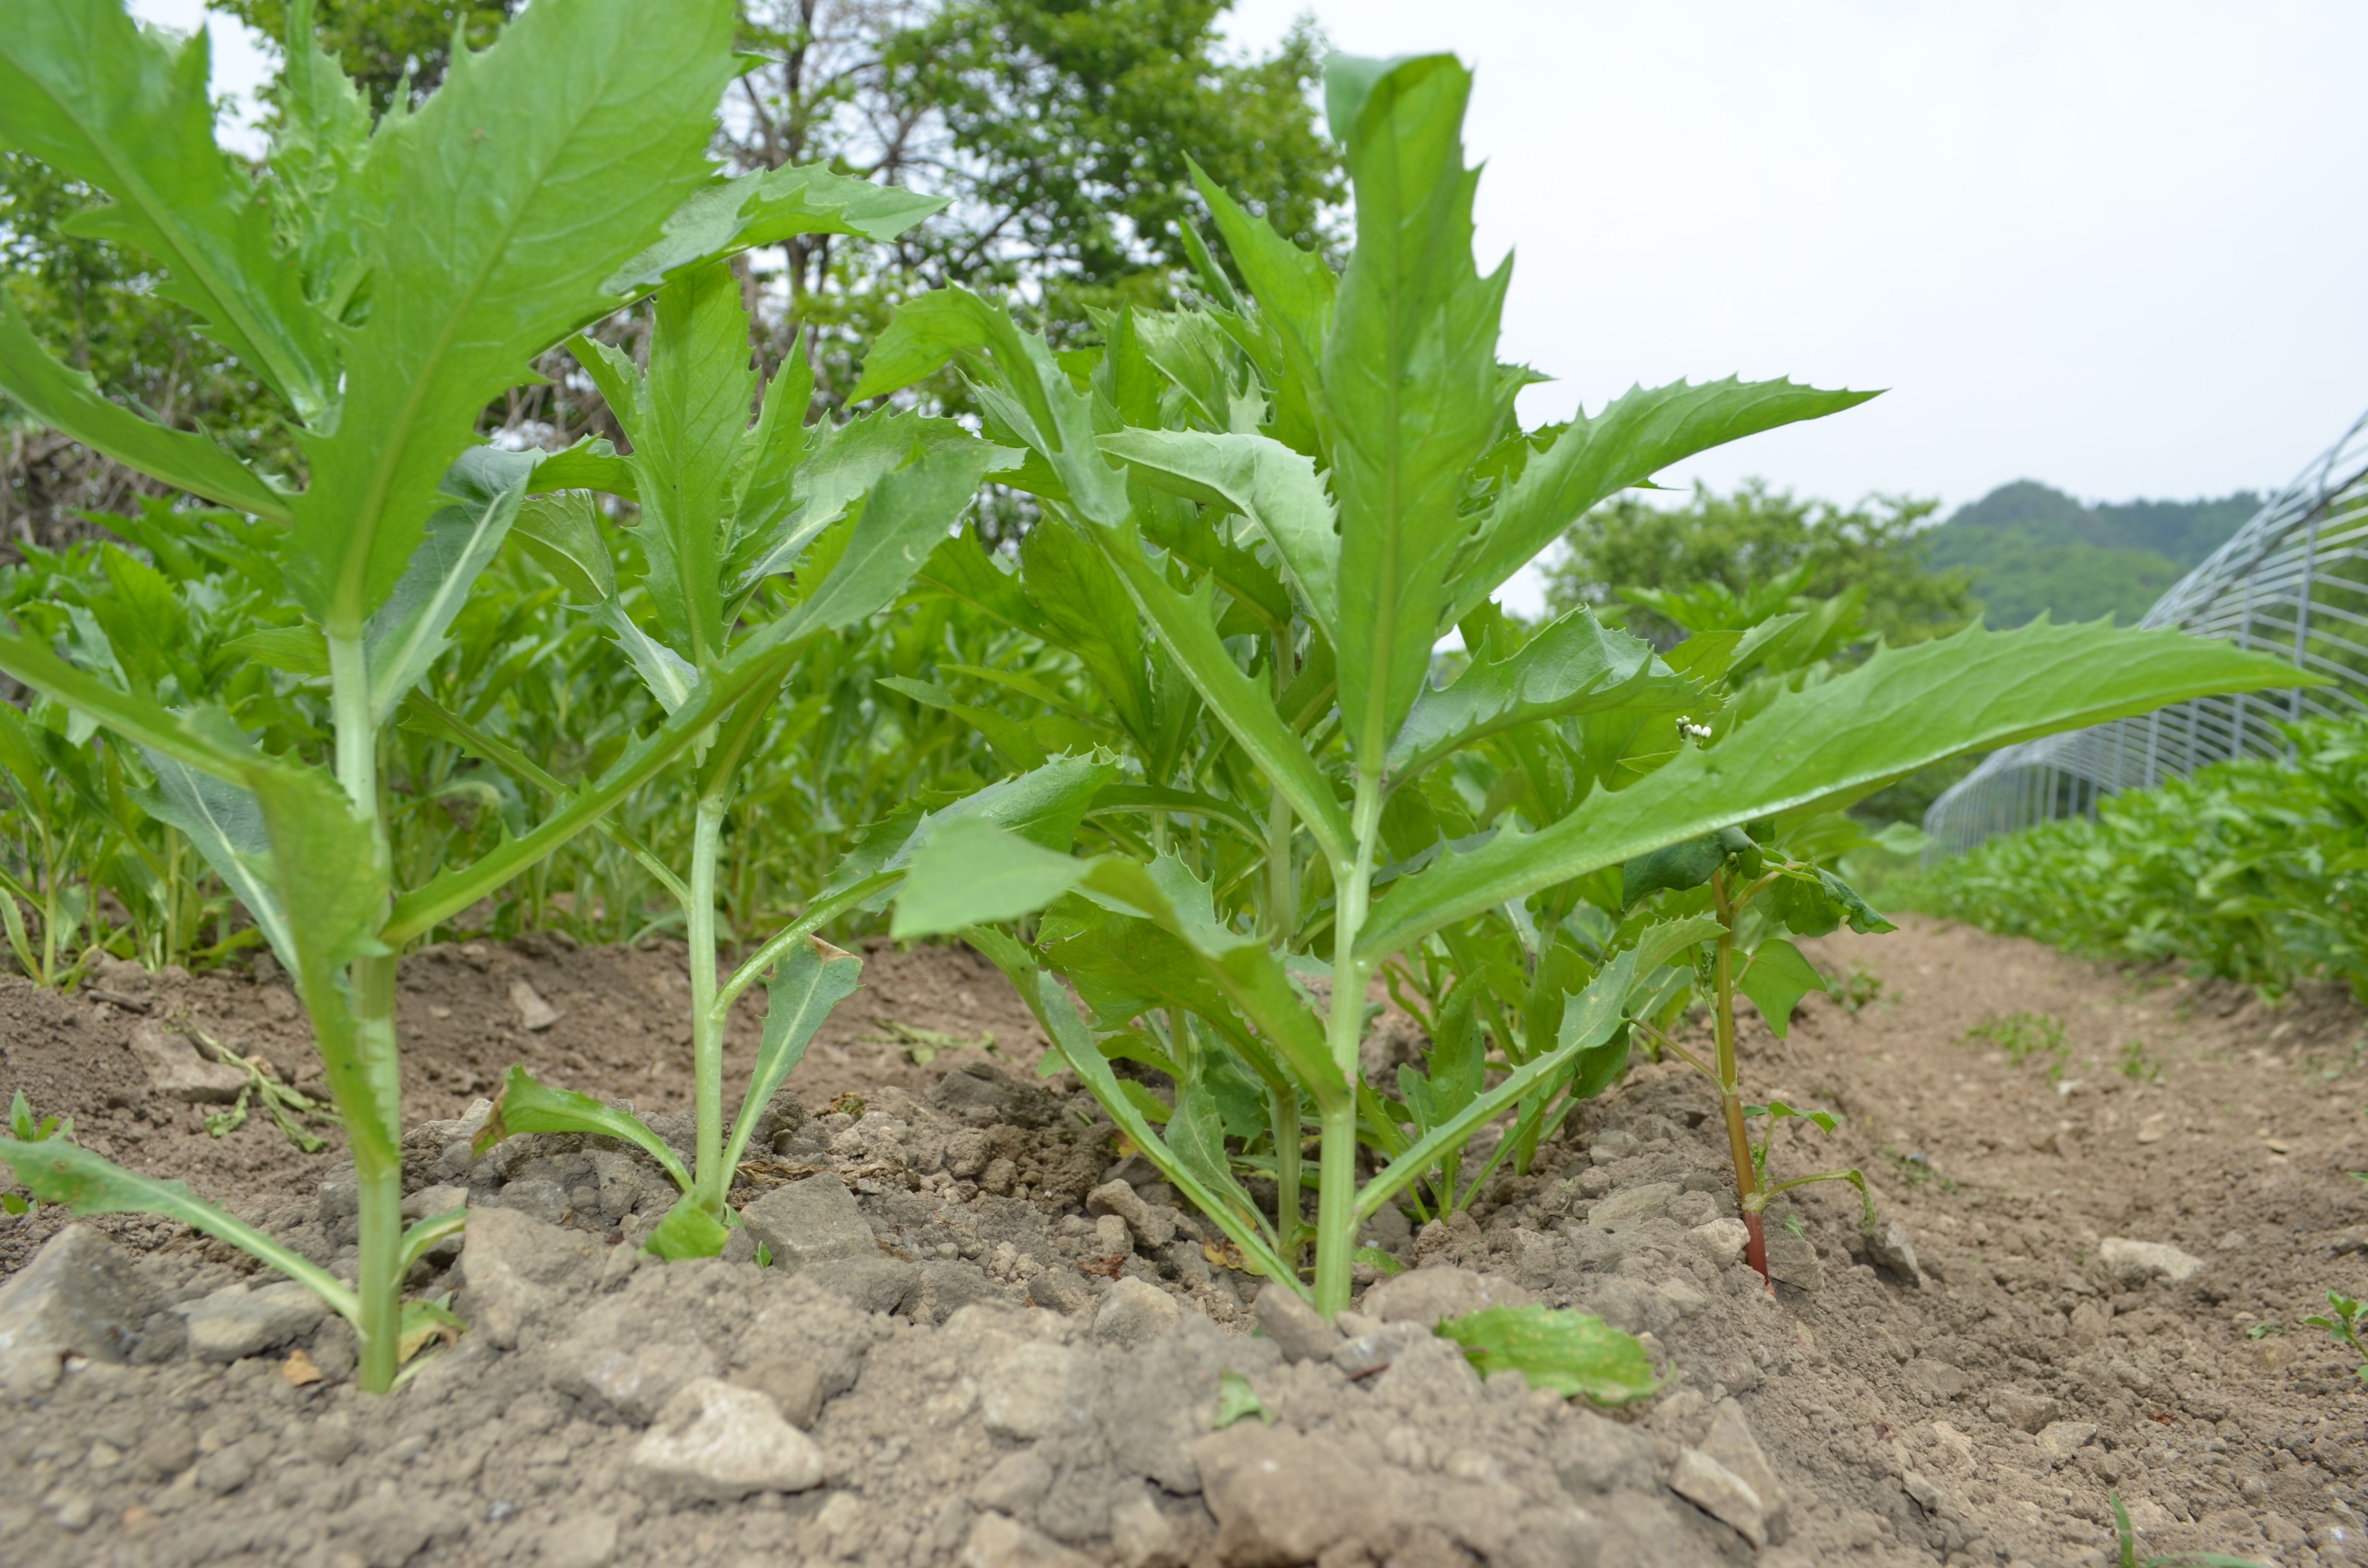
[{"x": 2031, "y": 548}]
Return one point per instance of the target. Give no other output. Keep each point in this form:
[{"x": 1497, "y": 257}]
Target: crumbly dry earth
[{"x": 970, "y": 1347}]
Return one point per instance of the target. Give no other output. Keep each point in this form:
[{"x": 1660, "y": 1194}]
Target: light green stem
[
  {"x": 373, "y": 1128},
  {"x": 378, "y": 1171},
  {"x": 711, "y": 1181},
  {"x": 1336, "y": 1202}
]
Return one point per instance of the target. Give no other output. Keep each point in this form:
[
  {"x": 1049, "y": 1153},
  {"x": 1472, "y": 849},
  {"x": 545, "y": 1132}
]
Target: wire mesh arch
[{"x": 2293, "y": 581}]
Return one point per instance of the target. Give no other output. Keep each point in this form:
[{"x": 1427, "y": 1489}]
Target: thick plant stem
[
  {"x": 1336, "y": 1209},
  {"x": 350, "y": 711},
  {"x": 377, "y": 1172},
  {"x": 1282, "y": 1105},
  {"x": 1730, "y": 1089},
  {"x": 374, "y": 1126},
  {"x": 1336, "y": 1201},
  {"x": 711, "y": 1181}
]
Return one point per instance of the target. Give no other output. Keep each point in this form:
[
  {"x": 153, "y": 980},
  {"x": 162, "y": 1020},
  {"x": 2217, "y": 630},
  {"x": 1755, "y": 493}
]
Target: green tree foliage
[
  {"x": 1068, "y": 125},
  {"x": 2030, "y": 548},
  {"x": 92, "y": 304},
  {"x": 382, "y": 43},
  {"x": 1748, "y": 540}
]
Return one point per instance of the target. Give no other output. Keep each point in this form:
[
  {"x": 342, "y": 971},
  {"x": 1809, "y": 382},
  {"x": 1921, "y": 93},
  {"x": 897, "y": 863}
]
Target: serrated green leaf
[
  {"x": 1571, "y": 1353},
  {"x": 670, "y": 678},
  {"x": 687, "y": 429},
  {"x": 58, "y": 1172},
  {"x": 298, "y": 650},
  {"x": 1573, "y": 666},
  {"x": 1593, "y": 459},
  {"x": 498, "y": 211},
  {"x": 224, "y": 822},
  {"x": 972, "y": 872},
  {"x": 1268, "y": 483},
  {"x": 811, "y": 979},
  {"x": 1412, "y": 393},
  {"x": 591, "y": 463},
  {"x": 906, "y": 514},
  {"x": 525, "y": 1106},
  {"x": 1776, "y": 979},
  {"x": 1900, "y": 711},
  {"x": 562, "y": 533},
  {"x": 69, "y": 401},
  {"x": 406, "y": 634},
  {"x": 764, "y": 208},
  {"x": 125, "y": 109}
]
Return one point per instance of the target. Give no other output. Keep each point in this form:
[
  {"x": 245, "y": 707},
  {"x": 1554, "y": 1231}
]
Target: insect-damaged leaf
[{"x": 1571, "y": 1353}]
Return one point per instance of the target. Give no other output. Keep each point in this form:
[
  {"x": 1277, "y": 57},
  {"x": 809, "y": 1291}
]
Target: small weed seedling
[
  {"x": 2024, "y": 1036},
  {"x": 2126, "y": 1539},
  {"x": 1856, "y": 990},
  {"x": 2138, "y": 1064},
  {"x": 1292, "y": 489},
  {"x": 2344, "y": 1322}
]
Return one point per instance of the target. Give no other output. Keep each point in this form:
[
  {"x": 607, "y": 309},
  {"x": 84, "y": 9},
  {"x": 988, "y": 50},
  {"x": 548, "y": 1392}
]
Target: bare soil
[{"x": 1982, "y": 1415}]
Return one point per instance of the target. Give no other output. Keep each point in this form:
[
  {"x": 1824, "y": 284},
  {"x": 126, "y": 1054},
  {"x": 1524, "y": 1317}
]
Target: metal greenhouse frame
[{"x": 2294, "y": 580}]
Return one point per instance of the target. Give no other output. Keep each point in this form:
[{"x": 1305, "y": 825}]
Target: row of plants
[
  {"x": 1238, "y": 804},
  {"x": 2254, "y": 870}
]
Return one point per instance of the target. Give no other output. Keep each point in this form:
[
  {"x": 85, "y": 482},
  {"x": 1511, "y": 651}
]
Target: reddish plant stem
[{"x": 1730, "y": 1088}]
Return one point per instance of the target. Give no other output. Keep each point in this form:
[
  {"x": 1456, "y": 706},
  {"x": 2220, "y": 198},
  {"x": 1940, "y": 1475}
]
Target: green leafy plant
[
  {"x": 2138, "y": 1064},
  {"x": 1298, "y": 490},
  {"x": 383, "y": 282},
  {"x": 1571, "y": 1353},
  {"x": 2344, "y": 1322},
  {"x": 766, "y": 534}
]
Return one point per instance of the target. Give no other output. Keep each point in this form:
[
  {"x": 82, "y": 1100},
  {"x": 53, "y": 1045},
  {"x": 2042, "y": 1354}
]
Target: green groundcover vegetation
[{"x": 2254, "y": 871}]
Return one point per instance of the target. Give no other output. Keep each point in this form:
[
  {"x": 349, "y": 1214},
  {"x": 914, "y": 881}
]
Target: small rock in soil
[
  {"x": 2023, "y": 1411},
  {"x": 535, "y": 1014},
  {"x": 2061, "y": 1439},
  {"x": 1889, "y": 1248},
  {"x": 1282, "y": 1497},
  {"x": 175, "y": 1071},
  {"x": 1721, "y": 1241},
  {"x": 1297, "y": 1329},
  {"x": 810, "y": 1222},
  {"x": 716, "y": 1442},
  {"x": 1132, "y": 1311},
  {"x": 2136, "y": 1262},
  {"x": 982, "y": 1094},
  {"x": 1794, "y": 1261},
  {"x": 517, "y": 1268},
  {"x": 235, "y": 1322},
  {"x": 1151, "y": 1227},
  {"x": 1038, "y": 1389},
  {"x": 998, "y": 1541},
  {"x": 1720, "y": 1492},
  {"x": 78, "y": 1297},
  {"x": 1429, "y": 1295}
]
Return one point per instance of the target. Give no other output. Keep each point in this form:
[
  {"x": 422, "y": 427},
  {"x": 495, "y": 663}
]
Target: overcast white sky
[
  {"x": 2114, "y": 246},
  {"x": 2118, "y": 247}
]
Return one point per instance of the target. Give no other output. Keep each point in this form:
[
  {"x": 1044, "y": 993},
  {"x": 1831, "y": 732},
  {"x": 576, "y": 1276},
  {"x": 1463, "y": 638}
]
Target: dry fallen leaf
[{"x": 299, "y": 1371}]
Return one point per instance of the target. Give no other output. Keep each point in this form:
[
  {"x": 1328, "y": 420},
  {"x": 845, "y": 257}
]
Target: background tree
[
  {"x": 380, "y": 42},
  {"x": 1745, "y": 540}
]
